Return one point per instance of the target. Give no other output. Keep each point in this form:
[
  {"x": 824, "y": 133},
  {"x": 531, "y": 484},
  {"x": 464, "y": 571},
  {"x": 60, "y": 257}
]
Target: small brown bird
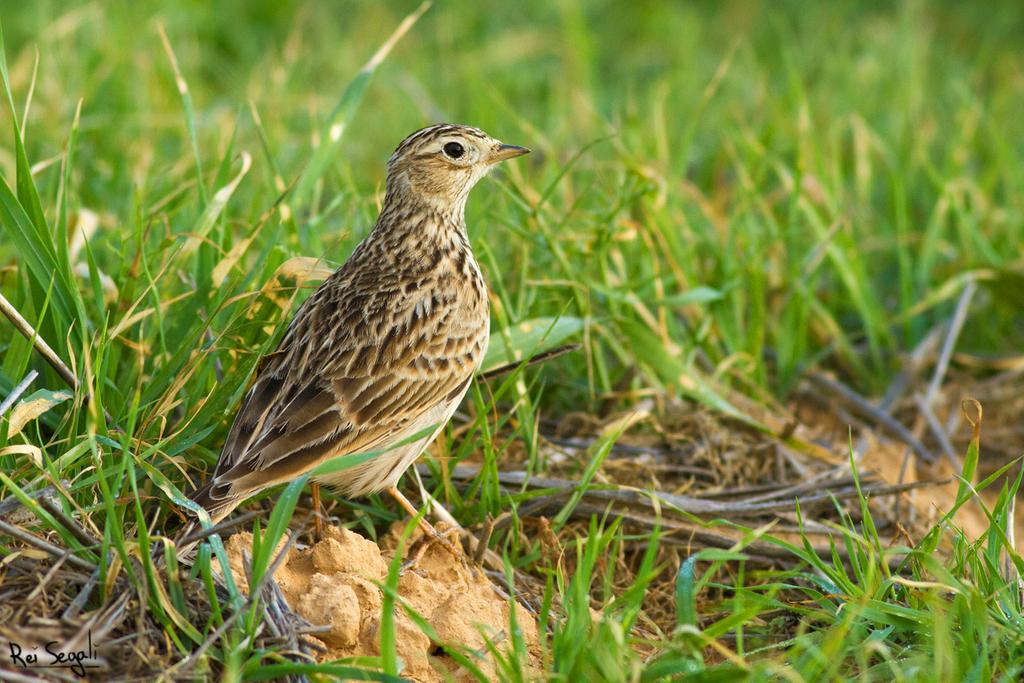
[{"x": 385, "y": 348}]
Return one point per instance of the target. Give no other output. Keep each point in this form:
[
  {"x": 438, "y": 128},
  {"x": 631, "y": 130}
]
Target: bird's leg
[
  {"x": 318, "y": 521},
  {"x": 432, "y": 534}
]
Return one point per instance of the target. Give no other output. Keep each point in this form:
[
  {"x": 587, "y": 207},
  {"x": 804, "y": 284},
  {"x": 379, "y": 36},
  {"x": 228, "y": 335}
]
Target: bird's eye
[{"x": 454, "y": 150}]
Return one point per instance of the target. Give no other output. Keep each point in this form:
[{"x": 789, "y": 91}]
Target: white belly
[{"x": 384, "y": 471}]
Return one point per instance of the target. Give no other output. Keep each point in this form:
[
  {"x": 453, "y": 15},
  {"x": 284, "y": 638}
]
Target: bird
[{"x": 379, "y": 357}]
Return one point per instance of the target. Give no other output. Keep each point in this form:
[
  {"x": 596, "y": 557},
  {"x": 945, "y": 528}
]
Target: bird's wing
[{"x": 346, "y": 379}]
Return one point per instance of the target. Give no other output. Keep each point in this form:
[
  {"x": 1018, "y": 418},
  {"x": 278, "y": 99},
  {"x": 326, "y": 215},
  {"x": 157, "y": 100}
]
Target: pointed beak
[{"x": 503, "y": 152}]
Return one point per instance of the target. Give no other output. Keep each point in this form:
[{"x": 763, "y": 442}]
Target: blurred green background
[{"x": 828, "y": 169}]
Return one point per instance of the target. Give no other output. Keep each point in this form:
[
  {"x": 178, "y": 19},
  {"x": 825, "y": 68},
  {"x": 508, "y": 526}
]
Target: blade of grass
[{"x": 345, "y": 109}]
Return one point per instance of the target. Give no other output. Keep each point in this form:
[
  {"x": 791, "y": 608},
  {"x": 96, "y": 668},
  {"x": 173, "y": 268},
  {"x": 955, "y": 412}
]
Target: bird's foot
[
  {"x": 430, "y": 534},
  {"x": 447, "y": 539}
]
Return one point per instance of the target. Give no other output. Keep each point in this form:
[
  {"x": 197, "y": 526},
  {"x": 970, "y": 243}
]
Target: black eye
[{"x": 454, "y": 150}]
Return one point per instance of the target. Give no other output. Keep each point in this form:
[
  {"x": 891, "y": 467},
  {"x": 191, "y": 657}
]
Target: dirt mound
[{"x": 335, "y": 583}]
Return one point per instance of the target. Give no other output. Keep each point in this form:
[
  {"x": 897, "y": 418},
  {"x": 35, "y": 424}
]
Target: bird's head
[{"x": 440, "y": 164}]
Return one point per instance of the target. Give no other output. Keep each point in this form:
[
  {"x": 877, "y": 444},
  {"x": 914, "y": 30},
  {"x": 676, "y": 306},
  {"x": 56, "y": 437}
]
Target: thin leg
[
  {"x": 318, "y": 516},
  {"x": 429, "y": 531}
]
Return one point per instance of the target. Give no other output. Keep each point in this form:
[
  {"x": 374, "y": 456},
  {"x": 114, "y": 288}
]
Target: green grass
[{"x": 721, "y": 197}]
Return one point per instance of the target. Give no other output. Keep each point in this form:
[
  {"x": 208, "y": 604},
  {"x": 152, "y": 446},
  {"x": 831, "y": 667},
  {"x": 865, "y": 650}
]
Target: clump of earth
[{"x": 335, "y": 583}]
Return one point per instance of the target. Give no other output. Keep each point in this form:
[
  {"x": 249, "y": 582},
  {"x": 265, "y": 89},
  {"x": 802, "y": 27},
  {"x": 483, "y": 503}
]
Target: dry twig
[{"x": 23, "y": 326}]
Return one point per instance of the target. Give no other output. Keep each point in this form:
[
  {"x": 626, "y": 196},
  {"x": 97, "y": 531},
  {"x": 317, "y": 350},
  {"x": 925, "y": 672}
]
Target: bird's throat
[{"x": 411, "y": 227}]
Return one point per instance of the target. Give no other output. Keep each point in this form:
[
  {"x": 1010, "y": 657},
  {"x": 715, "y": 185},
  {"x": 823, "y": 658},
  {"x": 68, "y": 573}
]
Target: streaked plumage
[{"x": 385, "y": 348}]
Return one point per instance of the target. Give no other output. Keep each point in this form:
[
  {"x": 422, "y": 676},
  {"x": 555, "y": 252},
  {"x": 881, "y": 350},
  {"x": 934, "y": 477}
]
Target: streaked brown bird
[{"x": 384, "y": 350}]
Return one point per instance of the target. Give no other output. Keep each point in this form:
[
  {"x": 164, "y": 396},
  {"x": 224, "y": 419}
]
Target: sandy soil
[{"x": 335, "y": 583}]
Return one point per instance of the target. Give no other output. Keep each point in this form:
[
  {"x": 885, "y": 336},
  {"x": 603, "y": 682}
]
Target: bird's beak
[{"x": 503, "y": 152}]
